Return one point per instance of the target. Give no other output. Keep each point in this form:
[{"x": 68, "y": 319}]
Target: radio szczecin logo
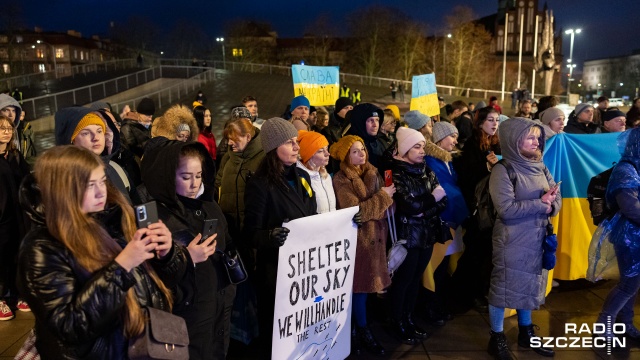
[{"x": 601, "y": 336}]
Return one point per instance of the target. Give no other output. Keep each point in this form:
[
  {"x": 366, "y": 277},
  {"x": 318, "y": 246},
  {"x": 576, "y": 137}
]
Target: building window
[
  {"x": 42, "y": 68},
  {"x": 59, "y": 53},
  {"x": 101, "y": 57},
  {"x": 500, "y": 44},
  {"x": 75, "y": 54},
  {"x": 40, "y": 53},
  {"x": 4, "y": 54},
  {"x": 510, "y": 30},
  {"x": 237, "y": 52},
  {"x": 81, "y": 55},
  {"x": 528, "y": 44},
  {"x": 4, "y": 39},
  {"x": 6, "y": 68},
  {"x": 530, "y": 20}
]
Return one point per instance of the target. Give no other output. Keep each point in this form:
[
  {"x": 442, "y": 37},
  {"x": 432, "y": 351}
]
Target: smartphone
[
  {"x": 557, "y": 185},
  {"x": 208, "y": 228},
  {"x": 388, "y": 178},
  {"x": 146, "y": 214}
]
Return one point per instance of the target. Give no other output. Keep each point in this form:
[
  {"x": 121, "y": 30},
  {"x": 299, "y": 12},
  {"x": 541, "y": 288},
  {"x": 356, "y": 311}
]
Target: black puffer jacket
[
  {"x": 134, "y": 135},
  {"x": 417, "y": 211},
  {"x": 79, "y": 314}
]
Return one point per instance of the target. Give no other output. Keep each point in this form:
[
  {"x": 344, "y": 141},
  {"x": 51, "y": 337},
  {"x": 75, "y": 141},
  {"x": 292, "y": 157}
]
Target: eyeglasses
[{"x": 6, "y": 129}]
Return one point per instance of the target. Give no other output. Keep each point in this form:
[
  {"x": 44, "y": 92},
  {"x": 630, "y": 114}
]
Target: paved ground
[{"x": 464, "y": 337}]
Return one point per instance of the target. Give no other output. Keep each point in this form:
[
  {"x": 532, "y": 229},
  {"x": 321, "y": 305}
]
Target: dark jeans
[
  {"x": 406, "y": 281},
  {"x": 620, "y": 301},
  {"x": 473, "y": 272}
]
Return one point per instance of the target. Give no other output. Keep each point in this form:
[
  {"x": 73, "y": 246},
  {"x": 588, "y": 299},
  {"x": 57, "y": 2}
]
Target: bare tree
[
  {"x": 321, "y": 34},
  {"x": 411, "y": 48},
  {"x": 468, "y": 50}
]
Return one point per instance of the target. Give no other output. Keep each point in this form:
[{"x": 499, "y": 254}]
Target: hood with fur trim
[
  {"x": 435, "y": 151},
  {"x": 167, "y": 125}
]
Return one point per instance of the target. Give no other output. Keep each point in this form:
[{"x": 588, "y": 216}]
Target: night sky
[{"x": 610, "y": 28}]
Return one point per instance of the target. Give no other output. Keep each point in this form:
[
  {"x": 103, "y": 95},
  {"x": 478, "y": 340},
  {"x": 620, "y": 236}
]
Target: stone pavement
[{"x": 464, "y": 337}]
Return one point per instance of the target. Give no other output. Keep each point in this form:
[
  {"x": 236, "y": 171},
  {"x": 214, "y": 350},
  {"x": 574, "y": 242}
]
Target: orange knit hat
[
  {"x": 340, "y": 149},
  {"x": 310, "y": 142}
]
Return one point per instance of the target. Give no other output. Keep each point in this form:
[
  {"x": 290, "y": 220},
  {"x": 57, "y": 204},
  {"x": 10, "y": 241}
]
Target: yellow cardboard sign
[{"x": 424, "y": 96}]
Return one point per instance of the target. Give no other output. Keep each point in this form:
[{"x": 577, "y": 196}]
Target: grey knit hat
[
  {"x": 275, "y": 132},
  {"x": 183, "y": 127},
  {"x": 581, "y": 107},
  {"x": 441, "y": 130},
  {"x": 416, "y": 120}
]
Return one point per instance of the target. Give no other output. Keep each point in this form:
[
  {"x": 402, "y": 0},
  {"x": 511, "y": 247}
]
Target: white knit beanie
[{"x": 407, "y": 138}]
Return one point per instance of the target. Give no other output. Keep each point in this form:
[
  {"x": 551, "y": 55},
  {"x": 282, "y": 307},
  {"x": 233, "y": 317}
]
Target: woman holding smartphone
[
  {"x": 173, "y": 175},
  {"x": 84, "y": 269}
]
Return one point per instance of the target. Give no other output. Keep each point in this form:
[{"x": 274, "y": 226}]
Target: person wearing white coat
[{"x": 314, "y": 156}]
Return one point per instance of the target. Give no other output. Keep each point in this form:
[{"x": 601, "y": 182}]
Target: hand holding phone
[
  {"x": 209, "y": 228},
  {"x": 146, "y": 214}
]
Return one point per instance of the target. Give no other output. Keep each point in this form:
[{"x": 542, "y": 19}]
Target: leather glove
[
  {"x": 438, "y": 193},
  {"x": 357, "y": 219},
  {"x": 278, "y": 236}
]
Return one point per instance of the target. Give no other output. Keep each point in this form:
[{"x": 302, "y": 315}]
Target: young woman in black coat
[
  {"x": 84, "y": 269},
  {"x": 419, "y": 200},
  {"x": 277, "y": 193},
  {"x": 173, "y": 175}
]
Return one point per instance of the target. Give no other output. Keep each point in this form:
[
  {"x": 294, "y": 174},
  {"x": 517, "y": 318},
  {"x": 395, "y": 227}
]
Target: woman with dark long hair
[
  {"x": 84, "y": 269},
  {"x": 278, "y": 192},
  {"x": 478, "y": 157},
  {"x": 206, "y": 138}
]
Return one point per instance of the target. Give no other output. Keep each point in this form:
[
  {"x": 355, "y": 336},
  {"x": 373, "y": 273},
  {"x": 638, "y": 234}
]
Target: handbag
[
  {"x": 234, "y": 266},
  {"x": 440, "y": 232},
  {"x": 549, "y": 246},
  {"x": 165, "y": 336},
  {"x": 397, "y": 253}
]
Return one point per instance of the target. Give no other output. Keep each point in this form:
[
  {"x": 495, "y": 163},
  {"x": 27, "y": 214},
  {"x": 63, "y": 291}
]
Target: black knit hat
[
  {"x": 342, "y": 103},
  {"x": 146, "y": 107}
]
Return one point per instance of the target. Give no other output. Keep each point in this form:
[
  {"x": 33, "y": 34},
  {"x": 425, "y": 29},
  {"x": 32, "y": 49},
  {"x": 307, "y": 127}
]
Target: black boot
[
  {"x": 419, "y": 332},
  {"x": 369, "y": 342},
  {"x": 632, "y": 332},
  {"x": 356, "y": 348},
  {"x": 498, "y": 347},
  {"x": 403, "y": 332},
  {"x": 433, "y": 317},
  {"x": 524, "y": 339}
]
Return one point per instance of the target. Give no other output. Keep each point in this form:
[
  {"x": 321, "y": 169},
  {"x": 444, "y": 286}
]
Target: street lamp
[
  {"x": 224, "y": 61},
  {"x": 571, "y": 32},
  {"x": 53, "y": 55},
  {"x": 444, "y": 57}
]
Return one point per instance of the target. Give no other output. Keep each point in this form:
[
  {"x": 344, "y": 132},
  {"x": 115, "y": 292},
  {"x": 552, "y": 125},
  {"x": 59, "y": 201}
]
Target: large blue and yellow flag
[
  {"x": 424, "y": 96},
  {"x": 320, "y": 84},
  {"x": 574, "y": 160}
]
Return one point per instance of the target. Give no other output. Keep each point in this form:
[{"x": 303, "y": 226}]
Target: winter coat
[
  {"x": 231, "y": 180},
  {"x": 267, "y": 206},
  {"x": 323, "y": 188},
  {"x": 358, "y": 119},
  {"x": 417, "y": 210},
  {"x": 207, "y": 139},
  {"x": 575, "y": 127},
  {"x": 439, "y": 160},
  {"x": 134, "y": 135},
  {"x": 472, "y": 167},
  {"x": 623, "y": 192},
  {"x": 371, "y": 273},
  {"x": 78, "y": 315},
  {"x": 198, "y": 293},
  {"x": 518, "y": 280}
]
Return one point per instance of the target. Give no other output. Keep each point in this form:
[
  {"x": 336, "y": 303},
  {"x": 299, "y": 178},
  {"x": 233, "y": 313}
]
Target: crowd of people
[{"x": 71, "y": 252}]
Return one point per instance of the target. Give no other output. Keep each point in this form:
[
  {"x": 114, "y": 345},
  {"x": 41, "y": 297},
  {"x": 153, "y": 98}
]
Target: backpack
[
  {"x": 485, "y": 211},
  {"x": 596, "y": 193}
]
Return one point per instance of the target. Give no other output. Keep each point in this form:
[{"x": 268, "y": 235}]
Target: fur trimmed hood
[
  {"x": 167, "y": 124},
  {"x": 433, "y": 150}
]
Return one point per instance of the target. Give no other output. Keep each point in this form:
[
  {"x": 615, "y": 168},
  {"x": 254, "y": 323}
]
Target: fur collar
[
  {"x": 369, "y": 179},
  {"x": 437, "y": 152}
]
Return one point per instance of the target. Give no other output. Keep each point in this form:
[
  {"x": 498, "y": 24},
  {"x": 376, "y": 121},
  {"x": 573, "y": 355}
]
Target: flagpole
[
  {"x": 504, "y": 53},
  {"x": 535, "y": 52},
  {"x": 520, "y": 54}
]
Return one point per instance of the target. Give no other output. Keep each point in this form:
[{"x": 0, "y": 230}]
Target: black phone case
[
  {"x": 146, "y": 214},
  {"x": 209, "y": 228}
]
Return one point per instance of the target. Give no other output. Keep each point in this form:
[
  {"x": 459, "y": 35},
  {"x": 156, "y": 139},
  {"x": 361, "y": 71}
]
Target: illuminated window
[
  {"x": 59, "y": 53},
  {"x": 4, "y": 39},
  {"x": 237, "y": 52},
  {"x": 75, "y": 54},
  {"x": 40, "y": 53},
  {"x": 6, "y": 68},
  {"x": 42, "y": 68},
  {"x": 81, "y": 55}
]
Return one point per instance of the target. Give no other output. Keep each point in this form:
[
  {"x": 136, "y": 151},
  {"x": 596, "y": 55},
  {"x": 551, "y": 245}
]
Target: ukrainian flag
[
  {"x": 320, "y": 84},
  {"x": 574, "y": 160},
  {"x": 424, "y": 96}
]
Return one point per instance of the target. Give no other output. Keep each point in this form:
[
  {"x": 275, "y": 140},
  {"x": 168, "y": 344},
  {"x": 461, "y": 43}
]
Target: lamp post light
[
  {"x": 224, "y": 61},
  {"x": 570, "y": 79},
  {"x": 444, "y": 58},
  {"x": 571, "y": 32},
  {"x": 53, "y": 55}
]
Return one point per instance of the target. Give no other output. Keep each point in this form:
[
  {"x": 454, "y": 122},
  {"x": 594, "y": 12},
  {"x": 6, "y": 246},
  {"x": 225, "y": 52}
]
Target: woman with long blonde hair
[{"x": 84, "y": 269}]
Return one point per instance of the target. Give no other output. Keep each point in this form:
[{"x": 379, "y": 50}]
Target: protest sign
[
  {"x": 320, "y": 84},
  {"x": 424, "y": 96},
  {"x": 312, "y": 315}
]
